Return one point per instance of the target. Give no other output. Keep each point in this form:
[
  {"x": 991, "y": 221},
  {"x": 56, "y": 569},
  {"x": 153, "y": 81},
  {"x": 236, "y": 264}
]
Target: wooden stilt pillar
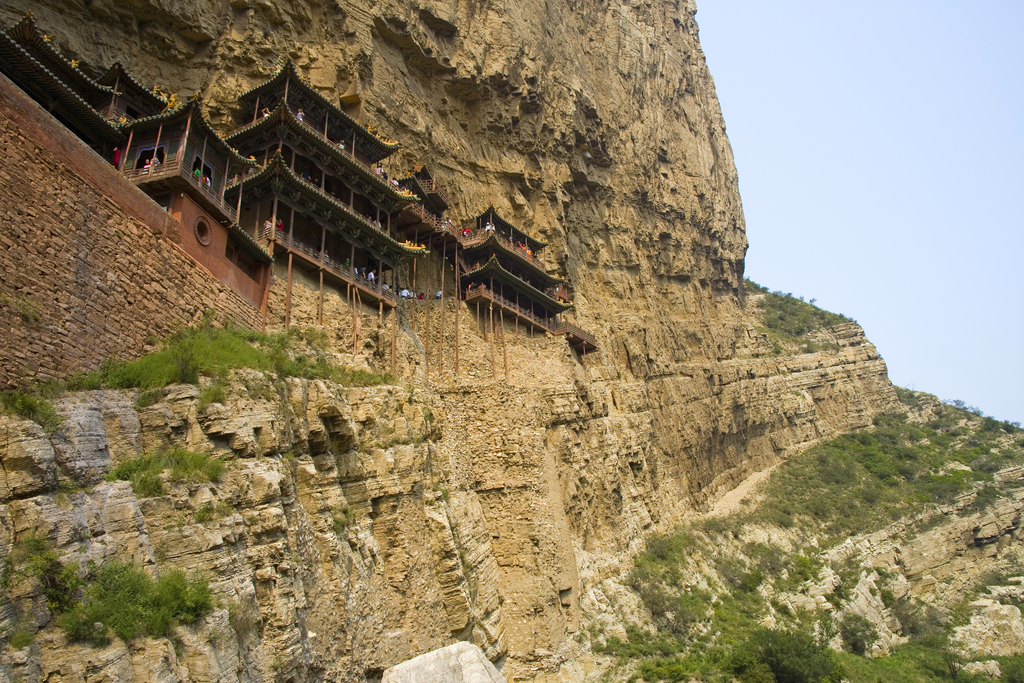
[
  {"x": 490, "y": 308},
  {"x": 394, "y": 336},
  {"x": 480, "y": 321},
  {"x": 356, "y": 305},
  {"x": 288, "y": 295},
  {"x": 440, "y": 344},
  {"x": 458, "y": 305},
  {"x": 426, "y": 325},
  {"x": 320, "y": 306},
  {"x": 380, "y": 313},
  {"x": 504, "y": 352}
]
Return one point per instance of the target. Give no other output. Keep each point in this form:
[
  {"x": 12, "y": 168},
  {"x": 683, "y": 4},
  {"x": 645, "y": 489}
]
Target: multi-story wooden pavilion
[
  {"x": 185, "y": 166},
  {"x": 29, "y": 59}
]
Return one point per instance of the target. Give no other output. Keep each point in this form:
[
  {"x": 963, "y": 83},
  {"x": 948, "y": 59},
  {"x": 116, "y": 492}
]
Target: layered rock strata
[{"x": 596, "y": 127}]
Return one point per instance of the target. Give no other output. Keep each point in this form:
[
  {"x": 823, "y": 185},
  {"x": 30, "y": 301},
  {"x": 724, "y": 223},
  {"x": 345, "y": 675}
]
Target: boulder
[{"x": 459, "y": 663}]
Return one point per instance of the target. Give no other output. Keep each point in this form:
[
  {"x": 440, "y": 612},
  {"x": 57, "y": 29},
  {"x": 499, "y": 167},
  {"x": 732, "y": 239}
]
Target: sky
[{"x": 880, "y": 150}]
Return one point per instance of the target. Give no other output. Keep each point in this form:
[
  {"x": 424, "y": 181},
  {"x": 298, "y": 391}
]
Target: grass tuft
[{"x": 144, "y": 471}]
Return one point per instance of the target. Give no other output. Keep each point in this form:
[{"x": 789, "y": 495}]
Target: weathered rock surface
[
  {"x": 459, "y": 663},
  {"x": 595, "y": 126}
]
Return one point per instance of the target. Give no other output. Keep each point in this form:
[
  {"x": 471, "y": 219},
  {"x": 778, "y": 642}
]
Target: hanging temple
[{"x": 300, "y": 182}]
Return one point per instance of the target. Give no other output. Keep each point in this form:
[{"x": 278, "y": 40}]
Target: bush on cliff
[{"x": 122, "y": 598}]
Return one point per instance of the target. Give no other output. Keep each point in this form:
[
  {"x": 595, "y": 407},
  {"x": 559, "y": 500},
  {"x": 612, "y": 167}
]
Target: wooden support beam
[
  {"x": 426, "y": 325},
  {"x": 320, "y": 307},
  {"x": 288, "y": 295},
  {"x": 394, "y": 336},
  {"x": 490, "y": 308},
  {"x": 440, "y": 345},
  {"x": 504, "y": 353}
]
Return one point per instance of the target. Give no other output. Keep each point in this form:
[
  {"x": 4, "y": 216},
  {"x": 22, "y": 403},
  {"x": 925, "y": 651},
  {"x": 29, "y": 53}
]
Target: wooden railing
[
  {"x": 345, "y": 272},
  {"x": 481, "y": 291},
  {"x": 169, "y": 169},
  {"x": 564, "y": 327},
  {"x": 431, "y": 186}
]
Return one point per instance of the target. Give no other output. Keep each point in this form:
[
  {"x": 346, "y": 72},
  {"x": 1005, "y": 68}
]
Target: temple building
[
  {"x": 501, "y": 267},
  {"x": 185, "y": 166},
  {"x": 300, "y": 181},
  {"x": 28, "y": 57},
  {"x": 321, "y": 198}
]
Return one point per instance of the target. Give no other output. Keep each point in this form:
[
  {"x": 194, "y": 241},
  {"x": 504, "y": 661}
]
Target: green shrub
[
  {"x": 122, "y": 598},
  {"x": 211, "y": 394},
  {"x": 34, "y": 557},
  {"x": 858, "y": 633},
  {"x": 1013, "y": 670},
  {"x": 21, "y": 637},
  {"x": 31, "y": 407},
  {"x": 787, "y": 657}
]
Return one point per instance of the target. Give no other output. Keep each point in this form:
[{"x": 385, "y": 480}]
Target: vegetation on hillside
[
  {"x": 709, "y": 585},
  {"x": 117, "y": 597},
  {"x": 144, "y": 471},
  {"x": 789, "y": 320},
  {"x": 213, "y": 352},
  {"x": 202, "y": 351}
]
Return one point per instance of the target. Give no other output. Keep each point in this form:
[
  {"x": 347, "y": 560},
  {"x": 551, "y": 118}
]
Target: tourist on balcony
[
  {"x": 371, "y": 276},
  {"x": 280, "y": 225},
  {"x": 299, "y": 115},
  {"x": 394, "y": 182},
  {"x": 379, "y": 171},
  {"x": 489, "y": 227},
  {"x": 384, "y": 287},
  {"x": 421, "y": 297},
  {"x": 117, "y": 157},
  {"x": 404, "y": 293},
  {"x": 439, "y": 294},
  {"x": 265, "y": 112},
  {"x": 268, "y": 226},
  {"x": 465, "y": 232}
]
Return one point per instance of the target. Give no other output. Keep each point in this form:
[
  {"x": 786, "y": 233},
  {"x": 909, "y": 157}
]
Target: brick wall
[{"x": 88, "y": 264}]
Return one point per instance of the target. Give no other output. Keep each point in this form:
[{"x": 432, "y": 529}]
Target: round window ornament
[{"x": 202, "y": 230}]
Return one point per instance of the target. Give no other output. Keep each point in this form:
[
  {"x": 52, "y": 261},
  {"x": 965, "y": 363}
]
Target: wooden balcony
[
  {"x": 376, "y": 290},
  {"x": 431, "y": 186},
  {"x": 482, "y": 292},
  {"x": 576, "y": 336},
  {"x": 168, "y": 176}
]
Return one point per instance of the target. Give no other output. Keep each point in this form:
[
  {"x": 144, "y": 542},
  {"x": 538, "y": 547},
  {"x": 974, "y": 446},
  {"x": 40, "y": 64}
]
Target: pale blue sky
[{"x": 881, "y": 163}]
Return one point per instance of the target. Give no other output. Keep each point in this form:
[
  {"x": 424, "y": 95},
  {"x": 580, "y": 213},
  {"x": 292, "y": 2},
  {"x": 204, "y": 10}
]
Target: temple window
[{"x": 146, "y": 156}]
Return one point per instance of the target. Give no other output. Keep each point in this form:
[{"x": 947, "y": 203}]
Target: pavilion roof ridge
[
  {"x": 277, "y": 167},
  {"x": 283, "y": 115},
  {"x": 26, "y": 32},
  {"x": 191, "y": 108},
  {"x": 108, "y": 132},
  {"x": 492, "y": 264},
  {"x": 118, "y": 69},
  {"x": 494, "y": 239},
  {"x": 496, "y": 217},
  {"x": 289, "y": 69}
]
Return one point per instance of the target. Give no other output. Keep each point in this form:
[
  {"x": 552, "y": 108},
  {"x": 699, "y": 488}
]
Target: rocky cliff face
[{"x": 594, "y": 125}]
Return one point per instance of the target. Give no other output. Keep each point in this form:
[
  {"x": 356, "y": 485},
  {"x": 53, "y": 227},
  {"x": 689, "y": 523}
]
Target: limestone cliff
[{"x": 594, "y": 125}]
